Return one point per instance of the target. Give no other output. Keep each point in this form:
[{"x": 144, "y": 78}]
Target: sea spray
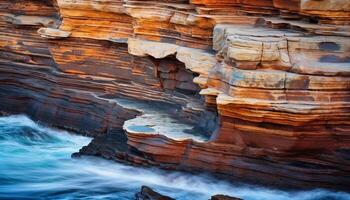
[{"x": 36, "y": 164}]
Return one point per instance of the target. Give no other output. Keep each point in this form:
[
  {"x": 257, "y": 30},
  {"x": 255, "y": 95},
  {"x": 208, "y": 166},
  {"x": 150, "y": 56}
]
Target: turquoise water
[
  {"x": 140, "y": 129},
  {"x": 35, "y": 163}
]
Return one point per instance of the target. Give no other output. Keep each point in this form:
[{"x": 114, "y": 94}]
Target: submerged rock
[
  {"x": 147, "y": 193},
  {"x": 223, "y": 197}
]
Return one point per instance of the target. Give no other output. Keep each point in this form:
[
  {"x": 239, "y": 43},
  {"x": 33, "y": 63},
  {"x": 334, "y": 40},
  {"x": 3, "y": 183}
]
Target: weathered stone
[
  {"x": 147, "y": 193},
  {"x": 53, "y": 33},
  {"x": 274, "y": 75}
]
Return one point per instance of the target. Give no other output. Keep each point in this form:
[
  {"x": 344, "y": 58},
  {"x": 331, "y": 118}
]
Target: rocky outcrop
[
  {"x": 58, "y": 81},
  {"x": 261, "y": 87},
  {"x": 223, "y": 197},
  {"x": 147, "y": 193}
]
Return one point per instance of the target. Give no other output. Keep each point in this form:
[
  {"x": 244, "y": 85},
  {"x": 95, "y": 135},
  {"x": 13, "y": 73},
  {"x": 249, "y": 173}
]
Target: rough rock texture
[
  {"x": 59, "y": 81},
  {"x": 147, "y": 193},
  {"x": 273, "y": 75}
]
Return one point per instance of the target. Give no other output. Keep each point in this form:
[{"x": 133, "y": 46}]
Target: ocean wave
[{"x": 36, "y": 164}]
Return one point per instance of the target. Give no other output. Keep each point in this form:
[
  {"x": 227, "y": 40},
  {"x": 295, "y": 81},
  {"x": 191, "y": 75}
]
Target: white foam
[
  {"x": 159, "y": 120},
  {"x": 47, "y": 168}
]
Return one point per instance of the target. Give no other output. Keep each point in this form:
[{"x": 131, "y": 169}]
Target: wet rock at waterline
[
  {"x": 223, "y": 197},
  {"x": 50, "y": 173},
  {"x": 147, "y": 193}
]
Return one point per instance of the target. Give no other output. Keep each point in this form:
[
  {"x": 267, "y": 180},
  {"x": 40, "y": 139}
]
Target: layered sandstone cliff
[{"x": 253, "y": 90}]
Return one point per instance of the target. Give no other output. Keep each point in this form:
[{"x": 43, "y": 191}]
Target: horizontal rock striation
[
  {"x": 273, "y": 75},
  {"x": 58, "y": 81},
  {"x": 283, "y": 85}
]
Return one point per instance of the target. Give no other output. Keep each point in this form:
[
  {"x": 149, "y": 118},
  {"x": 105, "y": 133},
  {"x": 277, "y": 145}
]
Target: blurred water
[{"x": 35, "y": 163}]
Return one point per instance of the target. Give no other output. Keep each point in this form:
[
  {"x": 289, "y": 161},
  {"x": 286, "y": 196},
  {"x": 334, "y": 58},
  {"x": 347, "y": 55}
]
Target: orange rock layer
[{"x": 276, "y": 74}]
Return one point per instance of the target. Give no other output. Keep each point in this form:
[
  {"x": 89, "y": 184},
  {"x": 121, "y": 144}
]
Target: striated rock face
[{"x": 251, "y": 90}]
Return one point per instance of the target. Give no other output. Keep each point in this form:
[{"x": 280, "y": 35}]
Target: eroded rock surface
[
  {"x": 266, "y": 82},
  {"x": 147, "y": 193}
]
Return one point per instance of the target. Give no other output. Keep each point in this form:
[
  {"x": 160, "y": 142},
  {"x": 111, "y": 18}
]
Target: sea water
[{"x": 36, "y": 163}]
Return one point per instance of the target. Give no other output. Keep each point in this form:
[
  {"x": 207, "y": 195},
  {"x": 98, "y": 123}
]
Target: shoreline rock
[
  {"x": 147, "y": 193},
  {"x": 268, "y": 81},
  {"x": 223, "y": 197}
]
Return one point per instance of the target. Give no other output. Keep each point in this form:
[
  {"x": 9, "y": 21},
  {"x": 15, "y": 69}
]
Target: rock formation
[
  {"x": 223, "y": 197},
  {"x": 263, "y": 87},
  {"x": 147, "y": 193}
]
